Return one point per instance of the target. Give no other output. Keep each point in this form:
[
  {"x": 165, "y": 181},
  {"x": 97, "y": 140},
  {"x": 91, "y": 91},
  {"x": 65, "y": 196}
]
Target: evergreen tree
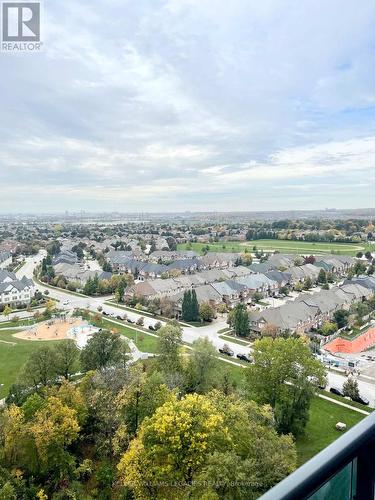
[
  {"x": 322, "y": 277},
  {"x": 194, "y": 306},
  {"x": 186, "y": 306},
  {"x": 89, "y": 287},
  {"x": 95, "y": 284},
  {"x": 241, "y": 320}
]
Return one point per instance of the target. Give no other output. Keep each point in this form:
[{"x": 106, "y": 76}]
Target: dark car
[
  {"x": 226, "y": 350},
  {"x": 105, "y": 313},
  {"x": 119, "y": 317},
  {"x": 151, "y": 328},
  {"x": 243, "y": 357},
  {"x": 361, "y": 399},
  {"x": 130, "y": 320},
  {"x": 337, "y": 391}
]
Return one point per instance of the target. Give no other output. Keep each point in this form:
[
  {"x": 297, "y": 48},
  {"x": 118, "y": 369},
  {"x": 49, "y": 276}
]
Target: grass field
[
  {"x": 144, "y": 341},
  {"x": 320, "y": 430},
  {"x": 285, "y": 246},
  {"x": 13, "y": 355}
]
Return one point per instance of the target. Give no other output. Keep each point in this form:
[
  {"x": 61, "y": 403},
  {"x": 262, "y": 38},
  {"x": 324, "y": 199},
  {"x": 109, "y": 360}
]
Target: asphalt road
[{"x": 68, "y": 301}]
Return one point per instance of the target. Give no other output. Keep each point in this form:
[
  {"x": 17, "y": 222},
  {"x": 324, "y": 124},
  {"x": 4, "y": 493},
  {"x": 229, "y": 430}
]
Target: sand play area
[{"x": 54, "y": 329}]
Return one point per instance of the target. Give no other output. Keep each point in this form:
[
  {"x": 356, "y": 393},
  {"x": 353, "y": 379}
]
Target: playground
[{"x": 58, "y": 329}]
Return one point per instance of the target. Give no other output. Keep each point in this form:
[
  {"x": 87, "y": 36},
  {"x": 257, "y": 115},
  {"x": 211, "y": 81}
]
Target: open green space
[
  {"x": 285, "y": 246},
  {"x": 144, "y": 341},
  {"x": 13, "y": 355},
  {"x": 320, "y": 430}
]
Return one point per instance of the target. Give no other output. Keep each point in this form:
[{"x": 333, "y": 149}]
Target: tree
[
  {"x": 241, "y": 320},
  {"x": 206, "y": 447},
  {"x": 194, "y": 306},
  {"x": 322, "y": 277},
  {"x": 53, "y": 429},
  {"x": 66, "y": 358},
  {"x": 120, "y": 291},
  {"x": 140, "y": 397},
  {"x": 40, "y": 368},
  {"x": 7, "y": 311},
  {"x": 284, "y": 290},
  {"x": 202, "y": 369},
  {"x": 307, "y": 283},
  {"x": 257, "y": 297},
  {"x": 186, "y": 307},
  {"x": 350, "y": 388},
  {"x": 341, "y": 318},
  {"x": 169, "y": 342},
  {"x": 206, "y": 311},
  {"x": 102, "y": 350},
  {"x": 284, "y": 374},
  {"x": 359, "y": 268},
  {"x": 328, "y": 328},
  {"x": 50, "y": 307}
]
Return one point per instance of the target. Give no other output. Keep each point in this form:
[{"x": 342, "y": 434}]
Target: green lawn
[
  {"x": 13, "y": 356},
  {"x": 285, "y": 246},
  {"x": 346, "y": 401},
  {"x": 320, "y": 430},
  {"x": 235, "y": 340},
  {"x": 144, "y": 341}
]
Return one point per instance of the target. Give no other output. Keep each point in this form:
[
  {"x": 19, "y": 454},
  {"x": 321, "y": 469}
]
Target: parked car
[
  {"x": 119, "y": 317},
  {"x": 226, "y": 350},
  {"x": 337, "y": 391},
  {"x": 361, "y": 399},
  {"x": 130, "y": 320},
  {"x": 105, "y": 313},
  {"x": 151, "y": 328},
  {"x": 243, "y": 357}
]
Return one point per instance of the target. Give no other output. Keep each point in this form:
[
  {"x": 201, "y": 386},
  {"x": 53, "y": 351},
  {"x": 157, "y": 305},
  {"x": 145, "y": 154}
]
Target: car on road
[
  {"x": 105, "y": 313},
  {"x": 361, "y": 399},
  {"x": 243, "y": 357},
  {"x": 151, "y": 327},
  {"x": 66, "y": 302},
  {"x": 119, "y": 317},
  {"x": 337, "y": 391},
  {"x": 226, "y": 350},
  {"x": 130, "y": 320}
]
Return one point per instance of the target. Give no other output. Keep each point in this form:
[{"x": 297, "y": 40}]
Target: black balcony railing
[{"x": 345, "y": 470}]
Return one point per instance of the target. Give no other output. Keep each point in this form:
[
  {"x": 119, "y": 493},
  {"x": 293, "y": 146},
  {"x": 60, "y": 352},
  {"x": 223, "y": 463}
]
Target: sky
[{"x": 174, "y": 105}]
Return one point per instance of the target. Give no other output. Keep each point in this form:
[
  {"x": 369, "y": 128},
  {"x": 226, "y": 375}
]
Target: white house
[{"x": 14, "y": 291}]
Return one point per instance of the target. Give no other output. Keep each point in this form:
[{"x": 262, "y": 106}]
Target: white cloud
[{"x": 166, "y": 104}]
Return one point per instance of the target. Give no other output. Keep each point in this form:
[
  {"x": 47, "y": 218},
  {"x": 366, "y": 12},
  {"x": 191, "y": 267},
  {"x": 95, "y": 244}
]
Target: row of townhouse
[
  {"x": 65, "y": 256},
  {"x": 125, "y": 262},
  {"x": 5, "y": 259},
  {"x": 338, "y": 264},
  {"x": 230, "y": 292},
  {"x": 167, "y": 287},
  {"x": 14, "y": 291},
  {"x": 311, "y": 311},
  {"x": 77, "y": 273}
]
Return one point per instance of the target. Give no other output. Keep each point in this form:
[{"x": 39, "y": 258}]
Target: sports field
[{"x": 284, "y": 246}]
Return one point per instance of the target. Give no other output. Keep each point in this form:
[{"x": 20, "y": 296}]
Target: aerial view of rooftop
[{"x": 187, "y": 250}]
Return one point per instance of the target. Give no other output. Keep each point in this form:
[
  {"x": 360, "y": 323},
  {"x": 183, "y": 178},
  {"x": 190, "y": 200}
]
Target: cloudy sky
[{"x": 169, "y": 105}]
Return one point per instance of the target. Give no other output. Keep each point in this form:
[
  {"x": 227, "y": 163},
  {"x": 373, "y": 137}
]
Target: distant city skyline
[{"x": 176, "y": 105}]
